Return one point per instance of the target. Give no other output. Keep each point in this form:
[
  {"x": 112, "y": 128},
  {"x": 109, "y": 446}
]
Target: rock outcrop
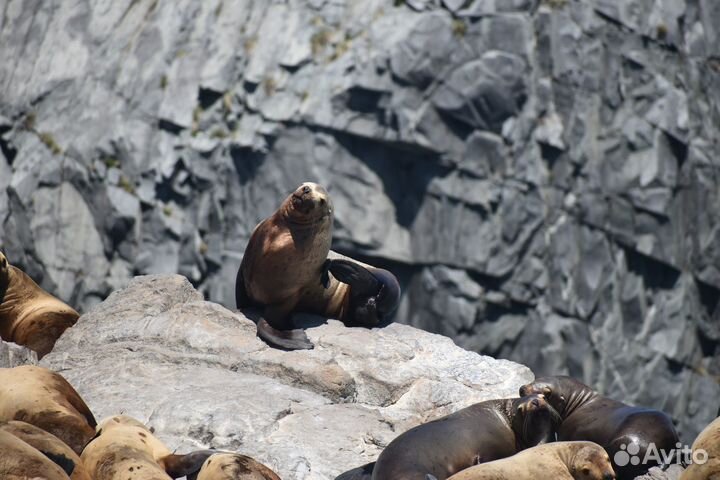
[
  {"x": 196, "y": 372},
  {"x": 544, "y": 175}
]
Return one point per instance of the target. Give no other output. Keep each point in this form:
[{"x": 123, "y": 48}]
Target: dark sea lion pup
[
  {"x": 43, "y": 398},
  {"x": 29, "y": 315},
  {"x": 615, "y": 426},
  {"x": 286, "y": 269},
  {"x": 479, "y": 433}
]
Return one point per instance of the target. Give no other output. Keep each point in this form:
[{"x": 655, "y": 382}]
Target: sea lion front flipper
[
  {"x": 325, "y": 276},
  {"x": 182, "y": 465},
  {"x": 360, "y": 279},
  {"x": 295, "y": 339},
  {"x": 61, "y": 461}
]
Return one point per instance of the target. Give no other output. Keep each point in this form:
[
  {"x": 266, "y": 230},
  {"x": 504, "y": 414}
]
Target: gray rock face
[
  {"x": 13, "y": 355},
  {"x": 197, "y": 373},
  {"x": 544, "y": 176}
]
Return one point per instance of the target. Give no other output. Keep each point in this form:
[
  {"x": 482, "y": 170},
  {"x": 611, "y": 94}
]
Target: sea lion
[
  {"x": 706, "y": 455},
  {"x": 45, "y": 399},
  {"x": 479, "y": 433},
  {"x": 615, "y": 426},
  {"x": 125, "y": 449},
  {"x": 233, "y": 466},
  {"x": 50, "y": 446},
  {"x": 20, "y": 461},
  {"x": 558, "y": 461},
  {"x": 286, "y": 268},
  {"x": 29, "y": 315}
]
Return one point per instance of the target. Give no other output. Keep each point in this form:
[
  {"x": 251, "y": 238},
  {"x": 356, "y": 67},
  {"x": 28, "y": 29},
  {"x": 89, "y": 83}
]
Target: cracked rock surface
[
  {"x": 542, "y": 175},
  {"x": 196, "y": 372}
]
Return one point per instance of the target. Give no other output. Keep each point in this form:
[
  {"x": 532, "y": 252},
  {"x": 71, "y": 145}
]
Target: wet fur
[{"x": 480, "y": 433}]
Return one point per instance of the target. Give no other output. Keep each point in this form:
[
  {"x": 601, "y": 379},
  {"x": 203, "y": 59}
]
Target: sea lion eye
[
  {"x": 585, "y": 471},
  {"x": 306, "y": 189},
  {"x": 322, "y": 201},
  {"x": 547, "y": 391}
]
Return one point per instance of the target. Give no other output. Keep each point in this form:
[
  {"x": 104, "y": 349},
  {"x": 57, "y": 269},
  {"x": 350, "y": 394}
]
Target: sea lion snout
[{"x": 310, "y": 196}]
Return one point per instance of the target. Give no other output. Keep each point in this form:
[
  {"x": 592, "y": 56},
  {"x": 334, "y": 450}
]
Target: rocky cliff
[{"x": 543, "y": 175}]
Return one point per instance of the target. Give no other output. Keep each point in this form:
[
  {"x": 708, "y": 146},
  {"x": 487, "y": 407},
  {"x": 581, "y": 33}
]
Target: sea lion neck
[
  {"x": 576, "y": 395},
  {"x": 569, "y": 454}
]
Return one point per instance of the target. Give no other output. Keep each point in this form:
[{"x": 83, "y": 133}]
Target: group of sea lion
[
  {"x": 488, "y": 440},
  {"x": 48, "y": 432},
  {"x": 558, "y": 428}
]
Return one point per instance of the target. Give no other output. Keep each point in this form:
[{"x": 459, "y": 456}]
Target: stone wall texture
[{"x": 543, "y": 176}]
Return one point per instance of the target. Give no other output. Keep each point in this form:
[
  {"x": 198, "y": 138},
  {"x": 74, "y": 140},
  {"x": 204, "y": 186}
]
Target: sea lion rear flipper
[
  {"x": 360, "y": 279},
  {"x": 295, "y": 339},
  {"x": 359, "y": 473},
  {"x": 61, "y": 461},
  {"x": 182, "y": 465}
]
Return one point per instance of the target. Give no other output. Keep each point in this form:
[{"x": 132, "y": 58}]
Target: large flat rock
[{"x": 196, "y": 372}]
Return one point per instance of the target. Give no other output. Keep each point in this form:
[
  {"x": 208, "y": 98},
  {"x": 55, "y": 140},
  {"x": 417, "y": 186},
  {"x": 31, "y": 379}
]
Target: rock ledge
[{"x": 196, "y": 372}]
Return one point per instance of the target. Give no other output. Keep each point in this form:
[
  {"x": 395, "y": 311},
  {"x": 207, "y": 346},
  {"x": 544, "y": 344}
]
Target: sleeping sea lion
[
  {"x": 286, "y": 269},
  {"x": 45, "y": 399},
  {"x": 20, "y": 461},
  {"x": 29, "y": 315},
  {"x": 556, "y": 461},
  {"x": 233, "y": 466},
  {"x": 587, "y": 415},
  {"x": 50, "y": 446},
  {"x": 706, "y": 455},
  {"x": 125, "y": 449},
  {"x": 480, "y": 433}
]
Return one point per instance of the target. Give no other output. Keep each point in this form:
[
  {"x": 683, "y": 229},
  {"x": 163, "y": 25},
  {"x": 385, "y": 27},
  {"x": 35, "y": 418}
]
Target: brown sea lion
[
  {"x": 125, "y": 449},
  {"x": 705, "y": 455},
  {"x": 556, "y": 461},
  {"x": 286, "y": 269},
  {"x": 20, "y": 461},
  {"x": 50, "y": 446},
  {"x": 29, "y": 315},
  {"x": 615, "y": 426},
  {"x": 233, "y": 466},
  {"x": 479, "y": 433},
  {"x": 45, "y": 399}
]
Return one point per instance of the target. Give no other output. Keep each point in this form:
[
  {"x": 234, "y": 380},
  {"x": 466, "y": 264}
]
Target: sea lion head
[
  {"x": 118, "y": 420},
  {"x": 591, "y": 463},
  {"x": 309, "y": 203},
  {"x": 535, "y": 421},
  {"x": 556, "y": 390},
  {"x": 4, "y": 269}
]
